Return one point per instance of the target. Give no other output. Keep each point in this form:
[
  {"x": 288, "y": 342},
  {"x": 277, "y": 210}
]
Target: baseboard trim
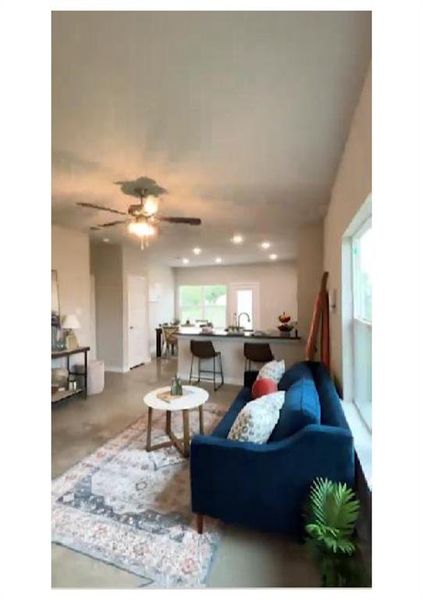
[
  {"x": 113, "y": 369},
  {"x": 126, "y": 368}
]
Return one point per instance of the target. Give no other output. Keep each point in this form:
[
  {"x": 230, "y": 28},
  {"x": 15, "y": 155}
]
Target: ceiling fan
[{"x": 142, "y": 218}]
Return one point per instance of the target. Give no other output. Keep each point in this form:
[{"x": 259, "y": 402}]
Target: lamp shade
[{"x": 71, "y": 322}]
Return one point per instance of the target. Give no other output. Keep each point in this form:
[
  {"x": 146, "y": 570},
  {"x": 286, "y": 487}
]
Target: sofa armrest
[{"x": 259, "y": 484}]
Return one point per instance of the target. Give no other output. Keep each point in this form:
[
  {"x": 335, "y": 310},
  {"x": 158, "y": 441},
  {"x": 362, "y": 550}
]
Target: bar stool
[
  {"x": 258, "y": 353},
  {"x": 205, "y": 351}
]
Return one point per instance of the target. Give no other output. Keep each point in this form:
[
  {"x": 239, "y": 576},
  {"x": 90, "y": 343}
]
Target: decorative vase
[
  {"x": 71, "y": 341},
  {"x": 179, "y": 386},
  {"x": 176, "y": 387}
]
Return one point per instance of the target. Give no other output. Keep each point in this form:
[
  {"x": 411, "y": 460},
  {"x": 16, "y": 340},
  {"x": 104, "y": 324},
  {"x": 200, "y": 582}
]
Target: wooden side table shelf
[{"x": 57, "y": 396}]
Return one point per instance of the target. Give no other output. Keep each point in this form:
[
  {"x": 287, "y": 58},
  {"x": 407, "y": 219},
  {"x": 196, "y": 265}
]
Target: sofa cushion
[
  {"x": 261, "y": 387},
  {"x": 330, "y": 402},
  {"x": 301, "y": 408},
  {"x": 222, "y": 428},
  {"x": 272, "y": 370},
  {"x": 256, "y": 421},
  {"x": 293, "y": 374}
]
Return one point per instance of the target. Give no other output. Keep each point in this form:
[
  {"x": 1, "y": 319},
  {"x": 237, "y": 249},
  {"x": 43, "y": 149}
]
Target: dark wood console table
[{"x": 57, "y": 396}]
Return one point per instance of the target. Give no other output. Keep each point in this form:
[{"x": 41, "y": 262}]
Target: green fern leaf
[{"x": 332, "y": 512}]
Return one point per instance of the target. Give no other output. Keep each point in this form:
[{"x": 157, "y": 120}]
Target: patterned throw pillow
[
  {"x": 272, "y": 370},
  {"x": 256, "y": 421}
]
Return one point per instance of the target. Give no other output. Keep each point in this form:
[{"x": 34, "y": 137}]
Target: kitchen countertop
[{"x": 273, "y": 334}]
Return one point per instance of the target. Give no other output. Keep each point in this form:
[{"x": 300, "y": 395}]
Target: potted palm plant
[{"x": 331, "y": 515}]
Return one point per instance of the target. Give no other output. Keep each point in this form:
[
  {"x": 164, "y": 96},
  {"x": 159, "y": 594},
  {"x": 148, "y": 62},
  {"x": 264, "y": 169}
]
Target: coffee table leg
[
  {"x": 185, "y": 416},
  {"x": 200, "y": 415},
  {"x": 168, "y": 421},
  {"x": 149, "y": 422}
]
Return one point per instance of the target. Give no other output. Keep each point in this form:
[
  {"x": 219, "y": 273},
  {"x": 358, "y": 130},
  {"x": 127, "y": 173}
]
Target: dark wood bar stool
[
  {"x": 205, "y": 351},
  {"x": 257, "y": 353}
]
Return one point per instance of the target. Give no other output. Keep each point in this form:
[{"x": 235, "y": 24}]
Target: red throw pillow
[{"x": 262, "y": 387}]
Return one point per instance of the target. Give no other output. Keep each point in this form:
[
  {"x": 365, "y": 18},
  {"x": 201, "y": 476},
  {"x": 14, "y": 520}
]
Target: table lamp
[{"x": 70, "y": 323}]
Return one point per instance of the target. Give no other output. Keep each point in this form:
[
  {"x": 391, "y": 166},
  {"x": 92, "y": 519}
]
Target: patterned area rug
[{"x": 131, "y": 508}]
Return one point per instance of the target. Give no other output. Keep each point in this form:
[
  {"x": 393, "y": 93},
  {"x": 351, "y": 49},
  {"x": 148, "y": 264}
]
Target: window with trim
[
  {"x": 362, "y": 255},
  {"x": 203, "y": 303}
]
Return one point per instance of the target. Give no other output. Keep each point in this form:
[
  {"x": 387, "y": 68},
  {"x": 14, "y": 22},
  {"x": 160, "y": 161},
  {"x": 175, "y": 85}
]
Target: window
[
  {"x": 203, "y": 303},
  {"x": 362, "y": 272},
  {"x": 362, "y": 254}
]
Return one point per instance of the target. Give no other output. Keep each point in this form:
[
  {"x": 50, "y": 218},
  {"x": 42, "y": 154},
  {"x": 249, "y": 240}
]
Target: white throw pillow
[
  {"x": 272, "y": 370},
  {"x": 256, "y": 421}
]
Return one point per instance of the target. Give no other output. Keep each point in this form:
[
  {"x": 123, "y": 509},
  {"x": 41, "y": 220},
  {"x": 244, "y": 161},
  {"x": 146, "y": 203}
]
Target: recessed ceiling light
[
  {"x": 185, "y": 261},
  {"x": 273, "y": 256},
  {"x": 265, "y": 245},
  {"x": 218, "y": 260},
  {"x": 106, "y": 240},
  {"x": 196, "y": 251},
  {"x": 237, "y": 239}
]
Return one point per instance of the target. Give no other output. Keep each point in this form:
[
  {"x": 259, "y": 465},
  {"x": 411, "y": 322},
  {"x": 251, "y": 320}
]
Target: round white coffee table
[{"x": 193, "y": 397}]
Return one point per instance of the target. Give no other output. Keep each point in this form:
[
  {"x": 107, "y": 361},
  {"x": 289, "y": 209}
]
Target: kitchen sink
[{"x": 234, "y": 330}]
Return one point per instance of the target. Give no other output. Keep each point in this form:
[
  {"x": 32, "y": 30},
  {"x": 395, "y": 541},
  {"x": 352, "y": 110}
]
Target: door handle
[{"x": 131, "y": 327}]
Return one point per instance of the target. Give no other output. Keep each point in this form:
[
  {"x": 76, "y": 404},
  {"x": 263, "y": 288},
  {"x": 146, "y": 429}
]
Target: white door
[
  {"x": 137, "y": 321},
  {"x": 244, "y": 298},
  {"x": 93, "y": 326}
]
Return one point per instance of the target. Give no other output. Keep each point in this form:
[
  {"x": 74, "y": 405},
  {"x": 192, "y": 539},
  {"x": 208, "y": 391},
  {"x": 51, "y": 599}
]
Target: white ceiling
[{"x": 242, "y": 116}]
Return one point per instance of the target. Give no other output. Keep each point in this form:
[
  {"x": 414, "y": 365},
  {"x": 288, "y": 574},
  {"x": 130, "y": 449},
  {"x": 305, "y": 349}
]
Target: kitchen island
[{"x": 291, "y": 349}]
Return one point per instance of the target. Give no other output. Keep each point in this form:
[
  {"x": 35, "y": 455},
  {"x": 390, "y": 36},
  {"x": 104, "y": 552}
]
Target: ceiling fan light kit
[
  {"x": 143, "y": 219},
  {"x": 143, "y": 229},
  {"x": 151, "y": 205}
]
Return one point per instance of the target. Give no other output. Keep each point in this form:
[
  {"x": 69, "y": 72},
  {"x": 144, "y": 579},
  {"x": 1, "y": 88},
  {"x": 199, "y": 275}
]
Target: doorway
[
  {"x": 93, "y": 324},
  {"x": 244, "y": 298},
  {"x": 138, "y": 351}
]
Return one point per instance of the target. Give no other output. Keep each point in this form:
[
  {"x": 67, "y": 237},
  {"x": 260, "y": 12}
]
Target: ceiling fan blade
[
  {"x": 111, "y": 224},
  {"x": 98, "y": 207},
  {"x": 187, "y": 220}
]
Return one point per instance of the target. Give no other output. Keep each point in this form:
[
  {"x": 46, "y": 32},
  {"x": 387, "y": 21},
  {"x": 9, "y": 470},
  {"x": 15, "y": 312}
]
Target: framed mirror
[{"x": 55, "y": 305}]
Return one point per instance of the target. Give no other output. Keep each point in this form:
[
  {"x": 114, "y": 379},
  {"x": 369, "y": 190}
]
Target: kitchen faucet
[{"x": 240, "y": 315}]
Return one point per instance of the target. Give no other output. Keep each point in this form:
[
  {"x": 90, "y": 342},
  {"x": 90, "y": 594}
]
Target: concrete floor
[{"x": 245, "y": 558}]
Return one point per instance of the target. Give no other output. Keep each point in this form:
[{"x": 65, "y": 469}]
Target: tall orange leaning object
[{"x": 320, "y": 319}]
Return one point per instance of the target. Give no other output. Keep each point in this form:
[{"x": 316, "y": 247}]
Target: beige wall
[
  {"x": 161, "y": 305},
  {"x": 351, "y": 188},
  {"x": 158, "y": 277},
  {"x": 310, "y": 269},
  {"x": 111, "y": 265},
  {"x": 70, "y": 257},
  {"x": 278, "y": 285},
  {"x": 106, "y": 266}
]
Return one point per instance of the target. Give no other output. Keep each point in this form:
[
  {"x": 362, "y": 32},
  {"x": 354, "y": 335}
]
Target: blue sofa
[{"x": 264, "y": 486}]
